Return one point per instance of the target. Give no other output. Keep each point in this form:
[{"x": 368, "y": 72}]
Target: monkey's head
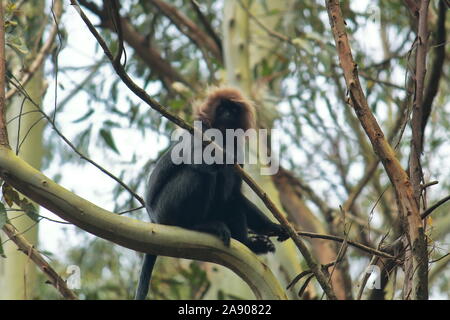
[{"x": 225, "y": 108}]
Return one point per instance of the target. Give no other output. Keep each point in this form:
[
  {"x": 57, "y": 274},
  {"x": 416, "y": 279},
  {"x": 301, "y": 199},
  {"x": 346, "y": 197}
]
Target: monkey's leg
[
  {"x": 217, "y": 228},
  {"x": 259, "y": 222},
  {"x": 236, "y": 220}
]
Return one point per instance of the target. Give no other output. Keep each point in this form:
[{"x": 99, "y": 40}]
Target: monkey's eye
[{"x": 233, "y": 109}]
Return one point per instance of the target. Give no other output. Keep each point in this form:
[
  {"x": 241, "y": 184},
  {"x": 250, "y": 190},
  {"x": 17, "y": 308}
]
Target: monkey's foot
[
  {"x": 216, "y": 228},
  {"x": 260, "y": 244},
  {"x": 279, "y": 232}
]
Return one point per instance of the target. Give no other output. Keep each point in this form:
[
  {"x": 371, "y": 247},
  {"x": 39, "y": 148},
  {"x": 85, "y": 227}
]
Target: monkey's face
[{"x": 228, "y": 116}]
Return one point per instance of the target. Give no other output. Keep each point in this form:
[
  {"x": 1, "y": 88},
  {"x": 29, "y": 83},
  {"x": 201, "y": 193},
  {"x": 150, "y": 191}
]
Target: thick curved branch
[{"x": 134, "y": 234}]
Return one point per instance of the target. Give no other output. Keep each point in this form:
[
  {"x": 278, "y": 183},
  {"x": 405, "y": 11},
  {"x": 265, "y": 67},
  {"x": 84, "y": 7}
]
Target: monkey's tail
[{"x": 144, "y": 279}]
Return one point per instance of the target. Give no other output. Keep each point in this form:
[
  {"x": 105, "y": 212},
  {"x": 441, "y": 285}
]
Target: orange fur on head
[{"x": 205, "y": 110}]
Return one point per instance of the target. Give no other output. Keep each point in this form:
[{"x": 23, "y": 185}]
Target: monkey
[{"x": 208, "y": 197}]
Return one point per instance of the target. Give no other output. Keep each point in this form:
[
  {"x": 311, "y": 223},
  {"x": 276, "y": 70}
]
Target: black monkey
[{"x": 206, "y": 197}]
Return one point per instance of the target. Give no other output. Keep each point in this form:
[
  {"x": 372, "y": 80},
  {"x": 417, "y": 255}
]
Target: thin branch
[
  {"x": 350, "y": 242},
  {"x": 312, "y": 264},
  {"x": 189, "y": 28},
  {"x": 365, "y": 278},
  {"x": 427, "y": 212},
  {"x": 151, "y": 56},
  {"x": 415, "y": 168},
  {"x": 429, "y": 184},
  {"x": 206, "y": 24},
  {"x": 386, "y": 83},
  {"x": 307, "y": 272},
  {"x": 28, "y": 249}
]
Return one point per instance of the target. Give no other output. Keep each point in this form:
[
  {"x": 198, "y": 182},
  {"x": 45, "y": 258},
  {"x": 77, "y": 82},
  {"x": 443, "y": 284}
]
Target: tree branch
[
  {"x": 41, "y": 55},
  {"x": 415, "y": 168},
  {"x": 189, "y": 28},
  {"x": 427, "y": 212},
  {"x": 355, "y": 244},
  {"x": 206, "y": 24},
  {"x": 24, "y": 246},
  {"x": 150, "y": 55}
]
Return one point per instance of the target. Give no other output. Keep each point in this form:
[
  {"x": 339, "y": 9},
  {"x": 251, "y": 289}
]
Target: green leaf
[
  {"x": 111, "y": 124},
  {"x": 107, "y": 137},
  {"x": 84, "y": 117},
  {"x": 30, "y": 210}
]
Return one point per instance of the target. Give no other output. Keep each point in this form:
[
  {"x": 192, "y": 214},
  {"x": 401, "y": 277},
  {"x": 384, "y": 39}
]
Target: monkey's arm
[
  {"x": 259, "y": 222},
  {"x": 163, "y": 172}
]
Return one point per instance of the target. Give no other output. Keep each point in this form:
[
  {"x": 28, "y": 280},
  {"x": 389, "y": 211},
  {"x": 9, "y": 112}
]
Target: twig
[
  {"x": 440, "y": 258},
  {"x": 24, "y": 246},
  {"x": 307, "y": 272},
  {"x": 350, "y": 242},
  {"x": 429, "y": 184},
  {"x": 206, "y": 24},
  {"x": 427, "y": 212},
  {"x": 189, "y": 28},
  {"x": 365, "y": 278}
]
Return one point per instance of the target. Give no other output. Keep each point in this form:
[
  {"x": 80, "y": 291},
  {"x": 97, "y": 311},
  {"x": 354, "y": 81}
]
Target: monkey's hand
[
  {"x": 279, "y": 232},
  {"x": 260, "y": 244}
]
